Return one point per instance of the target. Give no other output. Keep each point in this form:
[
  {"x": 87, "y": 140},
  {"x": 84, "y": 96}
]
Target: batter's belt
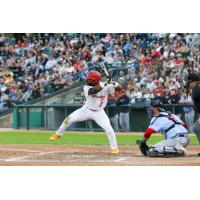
[{"x": 93, "y": 110}]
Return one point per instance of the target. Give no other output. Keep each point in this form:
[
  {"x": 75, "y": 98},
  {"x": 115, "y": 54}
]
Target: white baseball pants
[{"x": 99, "y": 117}]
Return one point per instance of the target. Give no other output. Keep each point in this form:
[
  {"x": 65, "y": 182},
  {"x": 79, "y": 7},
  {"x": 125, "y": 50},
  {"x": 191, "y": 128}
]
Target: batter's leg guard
[
  {"x": 63, "y": 126},
  {"x": 66, "y": 120}
]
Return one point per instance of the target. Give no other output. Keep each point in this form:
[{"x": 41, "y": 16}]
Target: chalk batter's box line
[{"x": 40, "y": 153}]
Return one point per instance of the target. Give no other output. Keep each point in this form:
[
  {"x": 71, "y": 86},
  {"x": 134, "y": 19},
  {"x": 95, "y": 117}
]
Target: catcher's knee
[{"x": 165, "y": 152}]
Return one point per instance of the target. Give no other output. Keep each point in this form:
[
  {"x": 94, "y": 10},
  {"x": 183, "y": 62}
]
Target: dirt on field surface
[{"x": 65, "y": 155}]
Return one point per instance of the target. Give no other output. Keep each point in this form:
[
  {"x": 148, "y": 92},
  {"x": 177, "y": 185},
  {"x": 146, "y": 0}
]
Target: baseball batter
[
  {"x": 96, "y": 94},
  {"x": 174, "y": 130}
]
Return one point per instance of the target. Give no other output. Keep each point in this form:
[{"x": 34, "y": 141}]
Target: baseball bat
[{"x": 103, "y": 67}]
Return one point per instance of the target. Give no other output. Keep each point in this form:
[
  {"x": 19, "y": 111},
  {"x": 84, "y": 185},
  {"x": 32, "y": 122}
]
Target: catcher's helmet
[
  {"x": 93, "y": 77},
  {"x": 157, "y": 103}
]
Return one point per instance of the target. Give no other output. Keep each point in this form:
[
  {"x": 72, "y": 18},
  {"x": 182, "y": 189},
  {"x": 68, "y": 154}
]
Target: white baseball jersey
[
  {"x": 161, "y": 124},
  {"x": 88, "y": 112},
  {"x": 98, "y": 101}
]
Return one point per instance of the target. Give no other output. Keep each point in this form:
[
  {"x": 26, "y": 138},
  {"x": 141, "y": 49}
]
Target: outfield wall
[{"x": 51, "y": 116}]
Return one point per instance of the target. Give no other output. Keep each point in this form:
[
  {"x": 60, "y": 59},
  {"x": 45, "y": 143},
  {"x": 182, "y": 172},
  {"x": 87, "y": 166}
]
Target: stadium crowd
[{"x": 145, "y": 64}]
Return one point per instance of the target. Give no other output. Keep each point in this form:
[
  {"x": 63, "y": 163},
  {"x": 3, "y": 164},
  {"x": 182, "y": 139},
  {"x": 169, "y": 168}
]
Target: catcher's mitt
[{"x": 143, "y": 146}]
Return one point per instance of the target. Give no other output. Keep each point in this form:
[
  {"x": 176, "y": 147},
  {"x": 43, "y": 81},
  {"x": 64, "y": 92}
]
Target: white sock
[{"x": 63, "y": 126}]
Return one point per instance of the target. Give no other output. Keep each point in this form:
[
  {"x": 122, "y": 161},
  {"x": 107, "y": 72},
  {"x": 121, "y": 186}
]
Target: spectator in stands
[
  {"x": 147, "y": 94},
  {"x": 123, "y": 111},
  {"x": 133, "y": 57},
  {"x": 136, "y": 95},
  {"x": 50, "y": 63},
  {"x": 188, "y": 111},
  {"x": 113, "y": 110},
  {"x": 27, "y": 95},
  {"x": 129, "y": 89},
  {"x": 3, "y": 102},
  {"x": 35, "y": 91},
  {"x": 174, "y": 98},
  {"x": 36, "y": 71},
  {"x": 151, "y": 85}
]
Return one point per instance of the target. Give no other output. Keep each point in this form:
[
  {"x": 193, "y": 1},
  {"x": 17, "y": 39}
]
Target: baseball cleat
[
  {"x": 54, "y": 137},
  {"x": 114, "y": 151}
]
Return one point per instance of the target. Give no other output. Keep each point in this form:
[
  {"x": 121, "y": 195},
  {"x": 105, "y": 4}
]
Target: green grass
[{"x": 76, "y": 139}]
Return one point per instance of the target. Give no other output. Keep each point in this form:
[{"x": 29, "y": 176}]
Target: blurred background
[{"x": 42, "y": 75}]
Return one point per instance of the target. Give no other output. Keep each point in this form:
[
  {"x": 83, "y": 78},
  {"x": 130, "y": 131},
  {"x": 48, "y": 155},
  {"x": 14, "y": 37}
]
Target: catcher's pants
[
  {"x": 196, "y": 129},
  {"x": 99, "y": 117},
  {"x": 170, "y": 144}
]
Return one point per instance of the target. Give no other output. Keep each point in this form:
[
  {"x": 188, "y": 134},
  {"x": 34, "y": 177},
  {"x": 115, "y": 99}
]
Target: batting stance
[
  {"x": 193, "y": 83},
  {"x": 176, "y": 135},
  {"x": 96, "y": 94}
]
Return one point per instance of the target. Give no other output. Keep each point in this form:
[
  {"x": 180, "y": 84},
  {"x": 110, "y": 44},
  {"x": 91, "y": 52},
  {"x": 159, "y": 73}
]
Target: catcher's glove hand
[{"x": 143, "y": 146}]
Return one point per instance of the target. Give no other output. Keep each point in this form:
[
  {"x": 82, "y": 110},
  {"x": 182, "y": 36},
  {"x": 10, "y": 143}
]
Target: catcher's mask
[
  {"x": 154, "y": 103},
  {"x": 93, "y": 78}
]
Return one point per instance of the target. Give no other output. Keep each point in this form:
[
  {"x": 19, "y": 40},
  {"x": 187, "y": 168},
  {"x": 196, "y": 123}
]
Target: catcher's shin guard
[{"x": 166, "y": 152}]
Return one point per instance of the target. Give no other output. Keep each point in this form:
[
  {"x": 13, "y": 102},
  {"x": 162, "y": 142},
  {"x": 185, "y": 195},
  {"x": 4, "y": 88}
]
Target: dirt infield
[{"x": 64, "y": 155}]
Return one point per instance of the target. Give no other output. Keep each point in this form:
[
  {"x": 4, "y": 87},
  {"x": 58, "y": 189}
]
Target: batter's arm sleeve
[{"x": 148, "y": 133}]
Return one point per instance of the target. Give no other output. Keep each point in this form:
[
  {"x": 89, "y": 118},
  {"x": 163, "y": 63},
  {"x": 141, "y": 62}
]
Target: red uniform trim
[
  {"x": 148, "y": 133},
  {"x": 185, "y": 125}
]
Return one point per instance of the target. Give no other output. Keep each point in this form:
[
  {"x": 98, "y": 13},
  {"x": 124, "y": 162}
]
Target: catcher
[
  {"x": 96, "y": 94},
  {"x": 174, "y": 130}
]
